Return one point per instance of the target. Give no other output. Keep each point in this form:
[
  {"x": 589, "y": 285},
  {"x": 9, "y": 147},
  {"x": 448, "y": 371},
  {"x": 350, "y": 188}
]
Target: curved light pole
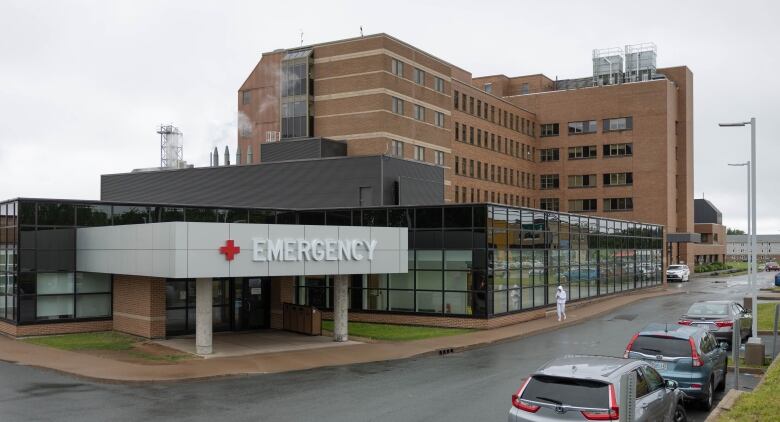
[{"x": 753, "y": 246}]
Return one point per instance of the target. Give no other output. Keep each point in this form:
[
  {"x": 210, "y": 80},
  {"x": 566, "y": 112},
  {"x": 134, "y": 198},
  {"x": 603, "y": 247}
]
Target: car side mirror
[
  {"x": 671, "y": 384},
  {"x": 723, "y": 345}
]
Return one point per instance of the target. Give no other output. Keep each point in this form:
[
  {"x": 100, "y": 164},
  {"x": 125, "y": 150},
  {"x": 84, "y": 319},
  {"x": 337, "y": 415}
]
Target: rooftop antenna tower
[{"x": 171, "y": 147}]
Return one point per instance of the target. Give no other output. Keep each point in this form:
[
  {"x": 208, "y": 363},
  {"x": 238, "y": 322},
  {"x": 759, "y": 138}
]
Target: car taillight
[
  {"x": 721, "y": 324},
  {"x": 630, "y": 343},
  {"x": 685, "y": 322},
  {"x": 611, "y": 414},
  {"x": 697, "y": 362},
  {"x": 518, "y": 402},
  {"x": 696, "y": 386}
]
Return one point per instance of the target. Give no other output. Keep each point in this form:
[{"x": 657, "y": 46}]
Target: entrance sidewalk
[{"x": 106, "y": 369}]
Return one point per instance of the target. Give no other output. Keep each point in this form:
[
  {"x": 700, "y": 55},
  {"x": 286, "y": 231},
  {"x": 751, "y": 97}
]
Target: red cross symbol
[{"x": 230, "y": 250}]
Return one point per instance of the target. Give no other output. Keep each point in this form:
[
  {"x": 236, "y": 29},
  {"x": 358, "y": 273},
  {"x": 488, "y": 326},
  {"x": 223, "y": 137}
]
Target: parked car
[
  {"x": 771, "y": 266},
  {"x": 689, "y": 355},
  {"x": 717, "y": 317},
  {"x": 588, "y": 388},
  {"x": 678, "y": 272},
  {"x": 777, "y": 280}
]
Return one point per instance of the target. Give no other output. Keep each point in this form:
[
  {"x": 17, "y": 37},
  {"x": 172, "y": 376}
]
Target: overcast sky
[{"x": 83, "y": 85}]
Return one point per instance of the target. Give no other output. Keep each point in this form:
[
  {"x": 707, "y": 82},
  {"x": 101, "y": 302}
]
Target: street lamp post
[
  {"x": 753, "y": 246},
  {"x": 749, "y": 257}
]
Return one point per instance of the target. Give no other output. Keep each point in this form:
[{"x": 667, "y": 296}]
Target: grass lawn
[
  {"x": 766, "y": 316},
  {"x": 739, "y": 265},
  {"x": 108, "y": 340},
  {"x": 760, "y": 405},
  {"x": 392, "y": 332},
  {"x": 103, "y": 341}
]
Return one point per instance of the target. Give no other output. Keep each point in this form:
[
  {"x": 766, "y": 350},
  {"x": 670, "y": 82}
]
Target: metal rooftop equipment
[
  {"x": 640, "y": 62},
  {"x": 607, "y": 66},
  {"x": 171, "y": 147}
]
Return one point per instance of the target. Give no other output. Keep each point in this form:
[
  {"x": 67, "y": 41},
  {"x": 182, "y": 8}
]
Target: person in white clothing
[{"x": 560, "y": 297}]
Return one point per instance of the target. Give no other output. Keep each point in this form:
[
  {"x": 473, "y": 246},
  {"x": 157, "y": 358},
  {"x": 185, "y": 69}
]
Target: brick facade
[
  {"x": 51, "y": 329},
  {"x": 282, "y": 291},
  {"x": 354, "y": 83},
  {"x": 139, "y": 306}
]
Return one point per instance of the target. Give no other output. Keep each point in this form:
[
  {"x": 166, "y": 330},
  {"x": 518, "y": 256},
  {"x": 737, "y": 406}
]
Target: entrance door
[{"x": 252, "y": 303}]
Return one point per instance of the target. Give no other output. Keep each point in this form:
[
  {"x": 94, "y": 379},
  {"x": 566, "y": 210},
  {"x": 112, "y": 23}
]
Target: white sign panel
[{"x": 192, "y": 250}]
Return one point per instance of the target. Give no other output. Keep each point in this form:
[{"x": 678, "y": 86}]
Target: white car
[{"x": 678, "y": 272}]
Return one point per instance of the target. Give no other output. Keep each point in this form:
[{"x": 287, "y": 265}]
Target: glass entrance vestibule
[{"x": 239, "y": 304}]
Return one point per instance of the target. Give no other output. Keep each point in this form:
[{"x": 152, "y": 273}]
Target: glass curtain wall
[
  {"x": 473, "y": 261},
  {"x": 8, "y": 258},
  {"x": 532, "y": 252}
]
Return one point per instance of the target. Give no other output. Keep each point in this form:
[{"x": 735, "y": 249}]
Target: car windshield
[
  {"x": 567, "y": 391},
  {"x": 676, "y": 267},
  {"x": 666, "y": 346},
  {"x": 708, "y": 309}
]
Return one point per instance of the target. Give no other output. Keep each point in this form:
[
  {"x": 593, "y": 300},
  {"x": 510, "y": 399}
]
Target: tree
[{"x": 729, "y": 230}]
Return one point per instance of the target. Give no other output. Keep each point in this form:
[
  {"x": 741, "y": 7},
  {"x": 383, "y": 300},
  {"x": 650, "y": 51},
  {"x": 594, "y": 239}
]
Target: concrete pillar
[
  {"x": 203, "y": 319},
  {"x": 340, "y": 305}
]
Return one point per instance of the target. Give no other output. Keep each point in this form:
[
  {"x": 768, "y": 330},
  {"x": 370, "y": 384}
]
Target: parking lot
[{"x": 473, "y": 385}]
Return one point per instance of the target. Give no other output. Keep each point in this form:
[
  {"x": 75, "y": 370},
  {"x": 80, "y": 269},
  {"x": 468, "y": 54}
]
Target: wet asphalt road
[{"x": 469, "y": 386}]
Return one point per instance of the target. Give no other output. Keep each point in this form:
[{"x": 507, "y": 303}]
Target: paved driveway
[{"x": 469, "y": 386}]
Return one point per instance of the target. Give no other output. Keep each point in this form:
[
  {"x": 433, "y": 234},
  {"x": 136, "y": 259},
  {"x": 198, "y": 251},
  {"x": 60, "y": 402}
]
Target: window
[
  {"x": 419, "y": 112},
  {"x": 457, "y": 131},
  {"x": 245, "y": 130},
  {"x": 549, "y": 204},
  {"x": 246, "y": 97},
  {"x": 581, "y": 205},
  {"x": 419, "y": 76},
  {"x": 419, "y": 153},
  {"x": 456, "y": 101},
  {"x": 471, "y": 169},
  {"x": 438, "y": 158},
  {"x": 618, "y": 179},
  {"x": 524, "y": 89},
  {"x": 493, "y": 114},
  {"x": 620, "y": 123},
  {"x": 457, "y": 165},
  {"x": 549, "y": 181},
  {"x": 582, "y": 181},
  {"x": 398, "y": 68},
  {"x": 398, "y": 106},
  {"x": 396, "y": 148},
  {"x": 438, "y": 85},
  {"x": 488, "y": 88},
  {"x": 471, "y": 105},
  {"x": 618, "y": 150},
  {"x": 618, "y": 204},
  {"x": 438, "y": 119},
  {"x": 576, "y": 153},
  {"x": 471, "y": 135},
  {"x": 549, "y": 154},
  {"x": 576, "y": 128}
]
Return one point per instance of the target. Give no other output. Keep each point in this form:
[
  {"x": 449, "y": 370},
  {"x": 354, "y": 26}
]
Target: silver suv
[{"x": 580, "y": 388}]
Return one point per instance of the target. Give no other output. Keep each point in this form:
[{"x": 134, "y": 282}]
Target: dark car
[
  {"x": 689, "y": 355},
  {"x": 717, "y": 317},
  {"x": 771, "y": 266}
]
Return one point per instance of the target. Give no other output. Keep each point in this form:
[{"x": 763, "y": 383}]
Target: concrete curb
[{"x": 725, "y": 405}]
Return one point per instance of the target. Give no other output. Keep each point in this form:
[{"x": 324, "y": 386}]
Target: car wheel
[
  {"x": 706, "y": 401},
  {"x": 679, "y": 413},
  {"x": 722, "y": 384}
]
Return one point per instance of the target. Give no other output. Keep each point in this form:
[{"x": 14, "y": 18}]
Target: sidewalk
[{"x": 105, "y": 369}]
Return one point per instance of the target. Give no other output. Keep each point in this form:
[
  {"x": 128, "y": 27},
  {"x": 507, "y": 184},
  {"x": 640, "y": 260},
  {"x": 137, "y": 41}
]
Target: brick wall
[
  {"x": 139, "y": 306},
  {"x": 282, "y": 290},
  {"x": 50, "y": 329}
]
